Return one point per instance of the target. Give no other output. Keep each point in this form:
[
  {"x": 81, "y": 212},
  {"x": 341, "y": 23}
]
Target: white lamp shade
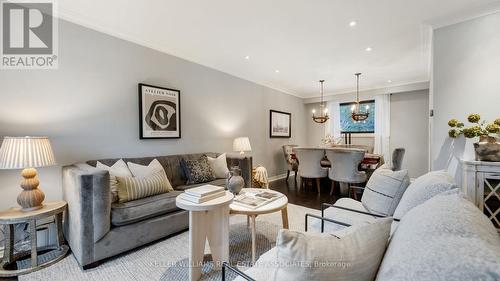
[
  {"x": 26, "y": 152},
  {"x": 241, "y": 144}
]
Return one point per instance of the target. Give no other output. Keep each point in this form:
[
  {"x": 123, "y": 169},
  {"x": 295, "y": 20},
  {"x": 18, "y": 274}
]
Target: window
[{"x": 347, "y": 125}]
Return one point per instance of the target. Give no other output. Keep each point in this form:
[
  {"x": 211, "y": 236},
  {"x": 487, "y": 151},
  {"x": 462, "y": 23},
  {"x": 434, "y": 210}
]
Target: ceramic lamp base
[{"x": 31, "y": 197}]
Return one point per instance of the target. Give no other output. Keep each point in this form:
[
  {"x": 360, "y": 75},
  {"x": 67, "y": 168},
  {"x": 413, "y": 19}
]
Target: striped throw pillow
[
  {"x": 384, "y": 190},
  {"x": 130, "y": 188}
]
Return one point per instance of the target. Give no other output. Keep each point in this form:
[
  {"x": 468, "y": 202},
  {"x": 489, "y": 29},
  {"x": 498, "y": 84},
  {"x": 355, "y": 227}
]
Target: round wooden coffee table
[{"x": 277, "y": 205}]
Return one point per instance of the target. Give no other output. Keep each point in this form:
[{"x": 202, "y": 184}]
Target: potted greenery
[{"x": 488, "y": 147}]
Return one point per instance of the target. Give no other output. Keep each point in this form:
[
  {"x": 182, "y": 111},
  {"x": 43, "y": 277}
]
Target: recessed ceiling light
[
  {"x": 369, "y": 49},
  {"x": 389, "y": 81},
  {"x": 353, "y": 23},
  {"x": 277, "y": 71},
  {"x": 247, "y": 57}
]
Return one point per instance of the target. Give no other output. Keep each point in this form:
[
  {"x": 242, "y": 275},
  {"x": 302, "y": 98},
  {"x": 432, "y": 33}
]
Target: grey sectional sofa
[
  {"x": 445, "y": 238},
  {"x": 97, "y": 229}
]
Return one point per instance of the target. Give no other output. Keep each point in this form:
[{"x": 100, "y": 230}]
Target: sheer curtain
[
  {"x": 332, "y": 127},
  {"x": 383, "y": 126}
]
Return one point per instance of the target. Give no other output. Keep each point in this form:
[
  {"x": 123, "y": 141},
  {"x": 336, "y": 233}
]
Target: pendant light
[
  {"x": 323, "y": 111},
  {"x": 357, "y": 114}
]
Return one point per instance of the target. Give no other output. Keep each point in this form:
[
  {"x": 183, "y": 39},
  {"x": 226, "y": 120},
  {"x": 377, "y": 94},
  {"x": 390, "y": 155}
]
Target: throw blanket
[{"x": 260, "y": 177}]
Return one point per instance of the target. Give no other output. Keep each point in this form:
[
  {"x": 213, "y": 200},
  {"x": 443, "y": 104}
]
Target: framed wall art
[
  {"x": 280, "y": 124},
  {"x": 159, "y": 112}
]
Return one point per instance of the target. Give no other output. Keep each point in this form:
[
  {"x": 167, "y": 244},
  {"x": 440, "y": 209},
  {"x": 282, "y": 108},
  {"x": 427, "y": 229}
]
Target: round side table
[
  {"x": 207, "y": 221},
  {"x": 278, "y": 205},
  {"x": 41, "y": 257}
]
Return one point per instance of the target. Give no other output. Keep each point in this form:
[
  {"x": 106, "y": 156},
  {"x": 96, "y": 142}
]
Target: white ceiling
[{"x": 305, "y": 40}]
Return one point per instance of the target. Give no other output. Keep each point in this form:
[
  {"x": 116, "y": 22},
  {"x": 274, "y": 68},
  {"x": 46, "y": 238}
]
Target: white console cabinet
[{"x": 481, "y": 184}]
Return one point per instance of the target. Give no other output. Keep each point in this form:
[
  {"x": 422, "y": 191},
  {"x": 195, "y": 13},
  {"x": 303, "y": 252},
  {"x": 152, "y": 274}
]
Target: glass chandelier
[
  {"x": 323, "y": 111},
  {"x": 357, "y": 114}
]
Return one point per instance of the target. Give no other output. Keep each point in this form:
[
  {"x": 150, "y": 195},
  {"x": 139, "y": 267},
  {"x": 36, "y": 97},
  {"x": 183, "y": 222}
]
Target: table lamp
[
  {"x": 242, "y": 144},
  {"x": 27, "y": 153}
]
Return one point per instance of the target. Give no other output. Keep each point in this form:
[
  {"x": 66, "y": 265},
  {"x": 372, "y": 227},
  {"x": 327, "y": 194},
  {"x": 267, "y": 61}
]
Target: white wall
[
  {"x": 466, "y": 69},
  {"x": 89, "y": 107},
  {"x": 409, "y": 129},
  {"x": 315, "y": 131}
]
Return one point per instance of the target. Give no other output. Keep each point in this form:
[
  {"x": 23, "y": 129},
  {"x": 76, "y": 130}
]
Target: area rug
[{"x": 168, "y": 259}]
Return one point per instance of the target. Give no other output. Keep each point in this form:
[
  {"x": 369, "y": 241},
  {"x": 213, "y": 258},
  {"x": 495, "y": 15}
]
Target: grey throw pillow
[
  {"x": 198, "y": 171},
  {"x": 422, "y": 189},
  {"x": 384, "y": 190},
  {"x": 354, "y": 253}
]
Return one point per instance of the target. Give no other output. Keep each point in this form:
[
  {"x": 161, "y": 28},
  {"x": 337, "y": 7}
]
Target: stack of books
[{"x": 203, "y": 193}]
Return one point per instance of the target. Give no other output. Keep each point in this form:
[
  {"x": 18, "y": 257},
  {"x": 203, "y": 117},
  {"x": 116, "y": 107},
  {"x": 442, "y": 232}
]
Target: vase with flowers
[{"x": 488, "y": 147}]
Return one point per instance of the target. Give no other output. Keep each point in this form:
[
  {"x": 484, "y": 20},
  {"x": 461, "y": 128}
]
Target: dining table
[{"x": 370, "y": 163}]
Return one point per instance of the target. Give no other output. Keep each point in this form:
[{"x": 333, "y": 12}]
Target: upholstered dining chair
[
  {"x": 397, "y": 158},
  {"x": 344, "y": 166},
  {"x": 310, "y": 165},
  {"x": 291, "y": 163}
]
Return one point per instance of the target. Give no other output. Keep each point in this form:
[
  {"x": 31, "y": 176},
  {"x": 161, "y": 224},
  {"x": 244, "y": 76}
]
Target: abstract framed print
[
  {"x": 280, "y": 124},
  {"x": 159, "y": 112}
]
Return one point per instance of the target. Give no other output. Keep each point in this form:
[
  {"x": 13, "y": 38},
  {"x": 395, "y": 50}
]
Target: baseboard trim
[{"x": 277, "y": 177}]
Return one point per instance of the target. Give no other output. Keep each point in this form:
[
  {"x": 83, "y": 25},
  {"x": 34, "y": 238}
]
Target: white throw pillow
[
  {"x": 219, "y": 165},
  {"x": 354, "y": 253},
  {"x": 119, "y": 169},
  {"x": 141, "y": 171},
  {"x": 384, "y": 190}
]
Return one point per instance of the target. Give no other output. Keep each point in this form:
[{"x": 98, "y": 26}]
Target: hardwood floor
[{"x": 308, "y": 196}]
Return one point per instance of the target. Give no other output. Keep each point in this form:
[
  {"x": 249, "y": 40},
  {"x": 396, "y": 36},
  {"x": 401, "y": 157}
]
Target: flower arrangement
[
  {"x": 329, "y": 139},
  {"x": 478, "y": 129}
]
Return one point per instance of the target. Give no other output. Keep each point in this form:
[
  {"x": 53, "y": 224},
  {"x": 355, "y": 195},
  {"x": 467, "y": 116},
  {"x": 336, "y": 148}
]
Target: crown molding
[
  {"x": 463, "y": 16},
  {"x": 395, "y": 89}
]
